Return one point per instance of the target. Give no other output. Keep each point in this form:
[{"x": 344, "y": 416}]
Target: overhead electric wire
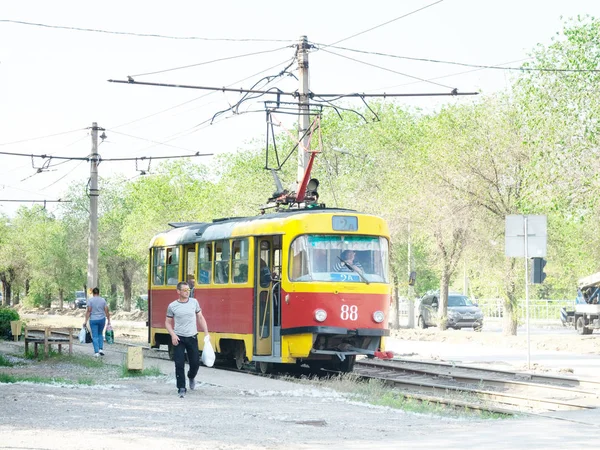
[
  {"x": 35, "y": 201},
  {"x": 211, "y": 61},
  {"x": 41, "y": 137},
  {"x": 68, "y": 173},
  {"x": 151, "y": 35},
  {"x": 292, "y": 94},
  {"x": 89, "y": 158},
  {"x": 456, "y": 63},
  {"x": 143, "y": 158},
  {"x": 197, "y": 98},
  {"x": 388, "y": 70},
  {"x": 388, "y": 22},
  {"x": 451, "y": 75},
  {"x": 148, "y": 140}
]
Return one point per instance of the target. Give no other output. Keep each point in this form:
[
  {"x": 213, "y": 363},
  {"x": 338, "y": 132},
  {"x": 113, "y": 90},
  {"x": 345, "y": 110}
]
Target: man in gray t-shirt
[{"x": 184, "y": 317}]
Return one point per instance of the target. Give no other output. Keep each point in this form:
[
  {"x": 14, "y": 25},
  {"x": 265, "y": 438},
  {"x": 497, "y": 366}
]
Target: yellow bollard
[
  {"x": 135, "y": 358},
  {"x": 15, "y": 328}
]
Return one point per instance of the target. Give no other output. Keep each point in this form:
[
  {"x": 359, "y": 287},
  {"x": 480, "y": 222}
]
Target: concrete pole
[
  {"x": 303, "y": 107},
  {"x": 92, "y": 274},
  {"x": 410, "y": 292},
  {"x": 525, "y": 231}
]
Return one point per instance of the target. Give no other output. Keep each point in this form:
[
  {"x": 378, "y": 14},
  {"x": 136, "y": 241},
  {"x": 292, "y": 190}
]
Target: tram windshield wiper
[{"x": 353, "y": 268}]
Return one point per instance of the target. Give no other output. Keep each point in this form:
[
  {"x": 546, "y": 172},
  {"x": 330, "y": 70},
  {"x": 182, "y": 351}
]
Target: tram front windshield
[{"x": 348, "y": 258}]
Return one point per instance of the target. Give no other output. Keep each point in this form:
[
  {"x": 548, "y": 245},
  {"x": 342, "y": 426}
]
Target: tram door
[{"x": 263, "y": 299}]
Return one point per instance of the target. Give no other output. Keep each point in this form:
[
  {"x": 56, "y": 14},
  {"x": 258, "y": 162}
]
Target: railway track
[
  {"x": 469, "y": 387},
  {"x": 484, "y": 389}
]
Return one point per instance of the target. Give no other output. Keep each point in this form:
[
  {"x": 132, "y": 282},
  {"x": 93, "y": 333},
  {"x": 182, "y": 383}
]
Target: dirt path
[{"x": 233, "y": 411}]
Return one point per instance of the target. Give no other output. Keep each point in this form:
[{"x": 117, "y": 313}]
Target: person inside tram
[
  {"x": 265, "y": 274},
  {"x": 159, "y": 276},
  {"x": 242, "y": 276},
  {"x": 347, "y": 259}
]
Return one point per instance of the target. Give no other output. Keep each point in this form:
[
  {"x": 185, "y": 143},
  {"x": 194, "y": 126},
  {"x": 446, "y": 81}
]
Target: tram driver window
[{"x": 172, "y": 266}]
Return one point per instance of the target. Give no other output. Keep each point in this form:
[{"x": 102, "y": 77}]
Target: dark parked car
[
  {"x": 80, "y": 300},
  {"x": 462, "y": 312}
]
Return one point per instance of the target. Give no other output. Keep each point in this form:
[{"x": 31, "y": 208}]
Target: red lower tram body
[{"x": 321, "y": 329}]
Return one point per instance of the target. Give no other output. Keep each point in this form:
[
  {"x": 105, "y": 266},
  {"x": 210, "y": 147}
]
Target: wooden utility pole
[
  {"x": 303, "y": 108},
  {"x": 92, "y": 274}
]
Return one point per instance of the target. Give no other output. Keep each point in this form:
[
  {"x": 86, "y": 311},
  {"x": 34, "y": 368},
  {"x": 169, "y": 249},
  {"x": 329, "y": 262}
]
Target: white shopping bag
[
  {"x": 208, "y": 354},
  {"x": 82, "y": 334}
]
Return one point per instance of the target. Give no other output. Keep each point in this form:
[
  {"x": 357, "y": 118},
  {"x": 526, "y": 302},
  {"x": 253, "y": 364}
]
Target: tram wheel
[
  {"x": 240, "y": 355},
  {"x": 263, "y": 367}
]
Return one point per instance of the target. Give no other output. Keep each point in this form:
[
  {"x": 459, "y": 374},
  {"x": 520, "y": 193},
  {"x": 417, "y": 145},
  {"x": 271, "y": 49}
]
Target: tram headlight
[
  {"x": 320, "y": 315},
  {"x": 378, "y": 316}
]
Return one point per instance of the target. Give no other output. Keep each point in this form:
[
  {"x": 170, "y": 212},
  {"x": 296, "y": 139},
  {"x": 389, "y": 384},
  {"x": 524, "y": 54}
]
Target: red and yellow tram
[{"x": 273, "y": 288}]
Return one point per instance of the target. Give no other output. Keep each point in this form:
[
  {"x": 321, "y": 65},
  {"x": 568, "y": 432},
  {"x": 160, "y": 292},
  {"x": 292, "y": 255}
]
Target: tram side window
[
  {"x": 222, "y": 263},
  {"x": 240, "y": 250},
  {"x": 158, "y": 267},
  {"x": 204, "y": 263},
  {"x": 172, "y": 266}
]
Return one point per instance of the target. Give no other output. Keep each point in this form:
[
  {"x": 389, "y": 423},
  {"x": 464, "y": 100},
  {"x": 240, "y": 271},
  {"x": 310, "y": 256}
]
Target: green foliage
[
  {"x": 6, "y": 316},
  {"x": 141, "y": 304},
  {"x": 7, "y": 378},
  {"x": 112, "y": 303}
]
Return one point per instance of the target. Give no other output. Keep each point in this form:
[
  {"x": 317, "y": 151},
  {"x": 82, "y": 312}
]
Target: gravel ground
[{"x": 234, "y": 411}]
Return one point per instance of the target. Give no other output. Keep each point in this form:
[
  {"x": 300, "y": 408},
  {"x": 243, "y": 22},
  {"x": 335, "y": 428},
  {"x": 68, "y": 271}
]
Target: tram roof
[{"x": 222, "y": 228}]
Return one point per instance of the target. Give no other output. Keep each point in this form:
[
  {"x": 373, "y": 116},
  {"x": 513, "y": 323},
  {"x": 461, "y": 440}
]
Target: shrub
[
  {"x": 6, "y": 315},
  {"x": 112, "y": 303}
]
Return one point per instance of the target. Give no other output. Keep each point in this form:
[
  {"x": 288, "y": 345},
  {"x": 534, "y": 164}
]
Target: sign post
[{"x": 526, "y": 238}]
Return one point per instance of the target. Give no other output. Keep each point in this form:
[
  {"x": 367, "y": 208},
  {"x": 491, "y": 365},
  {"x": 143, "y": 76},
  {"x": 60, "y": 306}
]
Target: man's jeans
[{"x": 189, "y": 344}]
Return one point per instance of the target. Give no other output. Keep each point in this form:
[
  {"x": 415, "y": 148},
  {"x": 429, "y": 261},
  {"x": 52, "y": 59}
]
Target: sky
[{"x": 53, "y": 75}]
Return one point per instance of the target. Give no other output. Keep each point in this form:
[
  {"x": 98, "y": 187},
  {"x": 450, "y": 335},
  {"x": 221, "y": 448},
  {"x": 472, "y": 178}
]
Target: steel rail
[
  {"x": 391, "y": 376},
  {"x": 532, "y": 377},
  {"x": 474, "y": 375}
]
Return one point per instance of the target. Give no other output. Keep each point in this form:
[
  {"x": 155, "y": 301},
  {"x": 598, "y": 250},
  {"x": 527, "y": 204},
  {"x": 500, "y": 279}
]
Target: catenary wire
[
  {"x": 151, "y": 35},
  {"x": 388, "y": 22},
  {"x": 388, "y": 70},
  {"x": 148, "y": 140},
  {"x": 197, "y": 98},
  {"x": 447, "y": 75},
  {"x": 42, "y": 137},
  {"x": 456, "y": 63},
  {"x": 227, "y": 58}
]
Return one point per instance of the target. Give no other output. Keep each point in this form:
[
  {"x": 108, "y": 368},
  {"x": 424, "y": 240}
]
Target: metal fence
[
  {"x": 547, "y": 310},
  {"x": 538, "y": 309}
]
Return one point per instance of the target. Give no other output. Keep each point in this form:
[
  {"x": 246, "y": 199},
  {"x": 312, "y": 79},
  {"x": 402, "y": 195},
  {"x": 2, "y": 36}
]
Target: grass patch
[
  {"x": 6, "y": 378},
  {"x": 54, "y": 356},
  {"x": 4, "y": 362},
  {"x": 148, "y": 372},
  {"x": 376, "y": 392},
  {"x": 85, "y": 361}
]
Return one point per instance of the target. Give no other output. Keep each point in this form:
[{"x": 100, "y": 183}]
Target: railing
[
  {"x": 493, "y": 308},
  {"x": 538, "y": 309}
]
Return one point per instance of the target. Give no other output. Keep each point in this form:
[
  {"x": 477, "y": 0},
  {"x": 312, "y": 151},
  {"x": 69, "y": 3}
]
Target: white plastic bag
[
  {"x": 208, "y": 354},
  {"x": 82, "y": 335}
]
